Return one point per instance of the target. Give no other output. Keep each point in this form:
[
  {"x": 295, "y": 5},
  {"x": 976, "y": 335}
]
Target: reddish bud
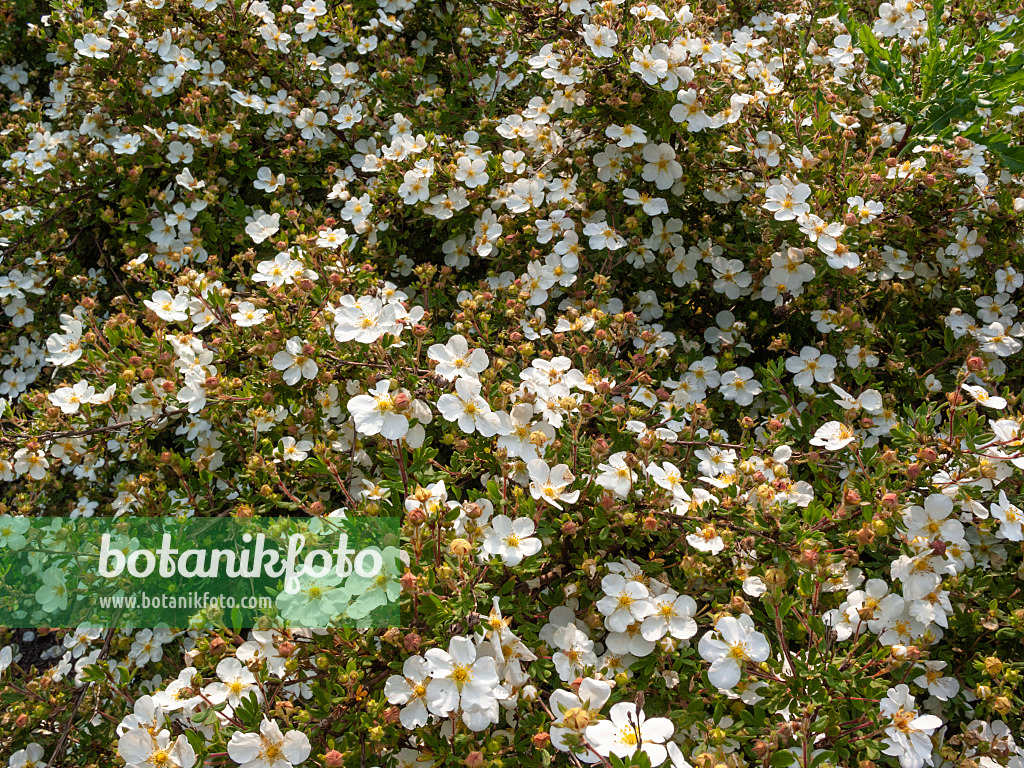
[{"x": 416, "y": 516}]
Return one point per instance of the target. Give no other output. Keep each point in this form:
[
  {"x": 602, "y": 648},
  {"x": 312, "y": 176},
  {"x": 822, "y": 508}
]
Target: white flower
[
  {"x": 908, "y": 737},
  {"x": 982, "y": 396},
  {"x": 811, "y": 366},
  {"x": 661, "y": 165},
  {"x": 66, "y": 349},
  {"x": 625, "y": 601},
  {"x": 69, "y": 399},
  {"x": 461, "y": 679},
  {"x": 740, "y": 385},
  {"x": 93, "y": 47},
  {"x": 942, "y": 688},
  {"x": 706, "y": 539},
  {"x": 584, "y": 706},
  {"x": 833, "y": 436},
  {"x": 376, "y": 413},
  {"x": 668, "y": 477},
  {"x": 739, "y": 643},
  {"x": 248, "y": 315},
  {"x": 29, "y": 757},
  {"x": 269, "y": 748},
  {"x": 167, "y": 307},
  {"x": 294, "y": 361},
  {"x": 870, "y": 400},
  {"x": 1010, "y": 519},
  {"x": 267, "y": 181},
  {"x": 616, "y": 475},
  {"x": 786, "y": 200},
  {"x": 12, "y": 531},
  {"x": 469, "y": 409},
  {"x": 549, "y": 483},
  {"x": 142, "y": 749},
  {"x": 32, "y": 463},
  {"x": 290, "y": 450},
  {"x": 365, "y": 320},
  {"x": 627, "y": 135},
  {"x": 574, "y": 654},
  {"x": 628, "y": 731},
  {"x": 410, "y": 689},
  {"x": 670, "y": 614},
  {"x": 455, "y": 359},
  {"x": 263, "y": 227},
  {"x": 600, "y": 39},
  {"x": 511, "y": 540}
]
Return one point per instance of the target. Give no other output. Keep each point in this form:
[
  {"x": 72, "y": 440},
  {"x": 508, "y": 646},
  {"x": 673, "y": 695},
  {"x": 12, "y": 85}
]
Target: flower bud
[
  {"x": 475, "y": 759},
  {"x": 993, "y": 666},
  {"x": 333, "y": 759},
  {"x": 416, "y": 516},
  {"x": 541, "y": 740},
  {"x": 576, "y": 718},
  {"x": 460, "y": 547}
]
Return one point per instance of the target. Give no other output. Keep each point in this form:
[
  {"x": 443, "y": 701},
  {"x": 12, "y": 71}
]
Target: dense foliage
[{"x": 682, "y": 339}]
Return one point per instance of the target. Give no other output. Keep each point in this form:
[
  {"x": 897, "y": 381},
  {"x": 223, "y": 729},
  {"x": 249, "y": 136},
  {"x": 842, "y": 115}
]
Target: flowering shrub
[{"x": 683, "y": 340}]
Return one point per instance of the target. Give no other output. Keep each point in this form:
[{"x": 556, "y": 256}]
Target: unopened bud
[
  {"x": 416, "y": 516},
  {"x": 460, "y": 547},
  {"x": 993, "y": 666},
  {"x": 408, "y": 582},
  {"x": 576, "y": 718}
]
